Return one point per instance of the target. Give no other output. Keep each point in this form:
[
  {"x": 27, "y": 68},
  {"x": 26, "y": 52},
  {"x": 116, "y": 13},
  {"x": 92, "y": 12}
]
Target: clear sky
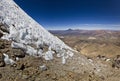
[{"x": 80, "y": 14}]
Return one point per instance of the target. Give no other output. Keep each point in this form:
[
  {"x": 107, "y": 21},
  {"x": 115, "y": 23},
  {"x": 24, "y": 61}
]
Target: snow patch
[
  {"x": 17, "y": 59},
  {"x": 18, "y": 45},
  {"x": 63, "y": 60},
  {"x": 48, "y": 55},
  {"x": 92, "y": 38},
  {"x": 7, "y": 60}
]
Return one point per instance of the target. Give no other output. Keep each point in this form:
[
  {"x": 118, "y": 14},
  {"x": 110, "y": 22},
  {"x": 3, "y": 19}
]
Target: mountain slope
[{"x": 22, "y": 33}]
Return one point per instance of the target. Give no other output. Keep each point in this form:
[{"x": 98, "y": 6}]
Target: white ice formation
[{"x": 24, "y": 32}]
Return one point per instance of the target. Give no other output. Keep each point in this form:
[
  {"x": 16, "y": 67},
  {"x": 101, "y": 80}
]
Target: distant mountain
[{"x": 96, "y": 33}]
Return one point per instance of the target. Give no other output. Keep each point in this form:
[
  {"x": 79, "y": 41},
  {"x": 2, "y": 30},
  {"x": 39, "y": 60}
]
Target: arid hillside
[{"x": 92, "y": 42}]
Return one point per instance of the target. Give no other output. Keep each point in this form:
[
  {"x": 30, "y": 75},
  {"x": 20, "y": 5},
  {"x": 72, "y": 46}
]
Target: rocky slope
[{"x": 30, "y": 53}]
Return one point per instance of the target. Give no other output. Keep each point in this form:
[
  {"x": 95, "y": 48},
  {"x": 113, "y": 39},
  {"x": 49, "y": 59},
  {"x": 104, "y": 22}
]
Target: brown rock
[
  {"x": 5, "y": 50},
  {"x": 116, "y": 62},
  {"x": 2, "y": 45},
  {"x": 20, "y": 66},
  {"x": 4, "y": 29},
  {"x": 18, "y": 53}
]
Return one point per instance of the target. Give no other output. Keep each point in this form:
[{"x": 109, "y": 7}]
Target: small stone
[{"x": 43, "y": 67}]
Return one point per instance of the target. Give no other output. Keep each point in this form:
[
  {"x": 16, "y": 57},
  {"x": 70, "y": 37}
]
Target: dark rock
[
  {"x": 44, "y": 47},
  {"x": 0, "y": 75},
  {"x": 118, "y": 57},
  {"x": 4, "y": 29},
  {"x": 20, "y": 66},
  {"x": 116, "y": 62},
  {"x": 18, "y": 53},
  {"x": 2, "y": 45},
  {"x": 1, "y": 34},
  {"x": 2, "y": 63}
]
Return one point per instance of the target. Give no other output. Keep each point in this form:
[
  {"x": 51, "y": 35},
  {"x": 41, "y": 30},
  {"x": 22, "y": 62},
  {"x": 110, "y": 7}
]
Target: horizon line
[{"x": 83, "y": 29}]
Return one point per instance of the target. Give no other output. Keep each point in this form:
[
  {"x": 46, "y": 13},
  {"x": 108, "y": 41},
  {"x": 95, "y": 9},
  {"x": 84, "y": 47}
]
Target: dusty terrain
[
  {"x": 103, "y": 45},
  {"x": 29, "y": 68},
  {"x": 92, "y": 43}
]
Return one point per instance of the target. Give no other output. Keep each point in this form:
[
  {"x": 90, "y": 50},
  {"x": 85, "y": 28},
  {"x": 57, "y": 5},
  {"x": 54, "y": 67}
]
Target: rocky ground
[{"x": 28, "y": 68}]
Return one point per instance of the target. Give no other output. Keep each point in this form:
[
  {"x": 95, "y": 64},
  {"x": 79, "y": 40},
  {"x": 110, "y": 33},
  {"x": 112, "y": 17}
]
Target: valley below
[
  {"x": 98, "y": 45},
  {"x": 92, "y": 43}
]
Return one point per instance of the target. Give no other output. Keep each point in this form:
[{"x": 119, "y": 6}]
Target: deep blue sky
[{"x": 83, "y": 14}]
